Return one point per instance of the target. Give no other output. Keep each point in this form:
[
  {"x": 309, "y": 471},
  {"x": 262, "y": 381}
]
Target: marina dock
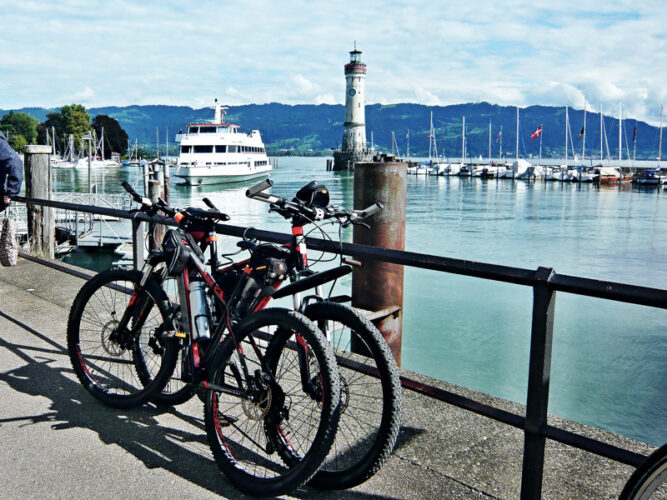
[{"x": 60, "y": 442}]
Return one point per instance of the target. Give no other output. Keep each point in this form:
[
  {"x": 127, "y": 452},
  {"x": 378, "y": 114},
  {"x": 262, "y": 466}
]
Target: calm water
[{"x": 608, "y": 367}]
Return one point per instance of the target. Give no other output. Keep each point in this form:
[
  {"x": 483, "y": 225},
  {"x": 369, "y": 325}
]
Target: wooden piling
[
  {"x": 41, "y": 224},
  {"x": 155, "y": 191},
  {"x": 378, "y": 286}
]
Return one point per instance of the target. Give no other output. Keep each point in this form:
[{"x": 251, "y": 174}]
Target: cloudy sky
[{"x": 122, "y": 52}]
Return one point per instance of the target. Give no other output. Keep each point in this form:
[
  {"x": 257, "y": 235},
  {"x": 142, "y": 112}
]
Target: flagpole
[{"x": 541, "y": 132}]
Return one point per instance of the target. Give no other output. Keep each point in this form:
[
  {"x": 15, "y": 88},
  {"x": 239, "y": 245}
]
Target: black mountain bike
[
  {"x": 271, "y": 381},
  {"x": 370, "y": 382}
]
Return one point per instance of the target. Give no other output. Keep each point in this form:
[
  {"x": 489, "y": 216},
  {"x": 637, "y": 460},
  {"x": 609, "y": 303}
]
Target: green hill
[{"x": 316, "y": 129}]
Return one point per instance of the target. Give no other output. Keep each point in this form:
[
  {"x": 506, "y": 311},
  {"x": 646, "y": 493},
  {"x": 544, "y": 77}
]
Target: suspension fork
[{"x": 136, "y": 311}]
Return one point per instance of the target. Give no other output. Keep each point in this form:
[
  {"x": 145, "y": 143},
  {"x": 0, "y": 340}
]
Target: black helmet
[{"x": 313, "y": 195}]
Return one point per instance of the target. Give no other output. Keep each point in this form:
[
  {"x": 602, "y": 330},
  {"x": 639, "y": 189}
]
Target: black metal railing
[{"x": 545, "y": 283}]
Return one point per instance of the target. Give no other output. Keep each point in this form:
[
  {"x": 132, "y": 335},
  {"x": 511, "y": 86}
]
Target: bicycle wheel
[
  {"x": 119, "y": 370},
  {"x": 370, "y": 397},
  {"x": 649, "y": 480},
  {"x": 288, "y": 398}
]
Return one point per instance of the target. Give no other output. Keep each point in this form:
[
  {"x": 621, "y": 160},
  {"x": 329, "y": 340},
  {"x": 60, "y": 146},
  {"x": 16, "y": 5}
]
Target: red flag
[
  {"x": 537, "y": 133},
  {"x": 500, "y": 134}
]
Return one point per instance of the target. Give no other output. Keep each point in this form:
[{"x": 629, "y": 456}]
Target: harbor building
[{"x": 354, "y": 148}]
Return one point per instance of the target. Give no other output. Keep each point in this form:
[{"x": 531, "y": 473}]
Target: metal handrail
[{"x": 545, "y": 283}]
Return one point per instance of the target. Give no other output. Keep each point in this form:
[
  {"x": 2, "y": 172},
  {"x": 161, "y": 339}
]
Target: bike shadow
[{"x": 181, "y": 448}]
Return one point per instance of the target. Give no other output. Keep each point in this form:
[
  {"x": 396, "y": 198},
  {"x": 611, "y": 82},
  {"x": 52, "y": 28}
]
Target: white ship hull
[{"x": 199, "y": 176}]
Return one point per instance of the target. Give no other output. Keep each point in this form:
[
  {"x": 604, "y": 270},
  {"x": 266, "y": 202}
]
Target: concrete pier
[{"x": 59, "y": 442}]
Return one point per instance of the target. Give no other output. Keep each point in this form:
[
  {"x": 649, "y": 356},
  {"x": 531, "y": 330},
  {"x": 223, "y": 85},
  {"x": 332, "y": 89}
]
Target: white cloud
[
  {"x": 293, "y": 52},
  {"x": 84, "y": 96}
]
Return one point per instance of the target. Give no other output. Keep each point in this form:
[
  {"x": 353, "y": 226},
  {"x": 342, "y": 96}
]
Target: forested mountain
[{"x": 309, "y": 129}]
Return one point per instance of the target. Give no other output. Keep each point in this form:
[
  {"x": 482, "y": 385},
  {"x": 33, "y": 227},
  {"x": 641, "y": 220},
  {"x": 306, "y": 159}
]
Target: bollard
[
  {"x": 41, "y": 226},
  {"x": 155, "y": 191},
  {"x": 378, "y": 286}
]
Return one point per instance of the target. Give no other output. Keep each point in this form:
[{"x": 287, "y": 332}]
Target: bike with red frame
[
  {"x": 270, "y": 378},
  {"x": 370, "y": 382}
]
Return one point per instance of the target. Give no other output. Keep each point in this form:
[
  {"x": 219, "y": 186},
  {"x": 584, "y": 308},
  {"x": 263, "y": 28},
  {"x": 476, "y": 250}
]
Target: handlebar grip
[
  {"x": 372, "y": 210},
  {"x": 210, "y": 204},
  {"x": 259, "y": 187},
  {"x": 133, "y": 193}
]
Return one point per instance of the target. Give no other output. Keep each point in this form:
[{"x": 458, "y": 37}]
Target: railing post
[
  {"x": 41, "y": 226},
  {"x": 539, "y": 373},
  {"x": 138, "y": 256}
]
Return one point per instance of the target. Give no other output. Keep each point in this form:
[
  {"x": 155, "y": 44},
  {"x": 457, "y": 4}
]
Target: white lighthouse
[{"x": 354, "y": 129}]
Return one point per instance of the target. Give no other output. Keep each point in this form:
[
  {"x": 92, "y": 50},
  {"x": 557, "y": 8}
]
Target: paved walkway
[{"x": 58, "y": 442}]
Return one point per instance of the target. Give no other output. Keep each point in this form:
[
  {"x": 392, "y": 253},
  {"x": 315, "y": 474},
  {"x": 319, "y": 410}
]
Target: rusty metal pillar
[{"x": 378, "y": 286}]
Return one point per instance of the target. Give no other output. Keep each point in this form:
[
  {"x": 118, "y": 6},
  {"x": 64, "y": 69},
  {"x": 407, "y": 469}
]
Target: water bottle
[{"x": 200, "y": 326}]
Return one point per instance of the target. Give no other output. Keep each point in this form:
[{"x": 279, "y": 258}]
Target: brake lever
[{"x": 360, "y": 223}]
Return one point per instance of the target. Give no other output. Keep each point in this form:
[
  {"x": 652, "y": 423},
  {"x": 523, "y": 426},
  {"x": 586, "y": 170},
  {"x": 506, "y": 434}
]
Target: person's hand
[{"x": 7, "y": 201}]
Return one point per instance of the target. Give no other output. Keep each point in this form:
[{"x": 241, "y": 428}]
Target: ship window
[
  {"x": 221, "y": 149},
  {"x": 193, "y": 130},
  {"x": 185, "y": 149},
  {"x": 207, "y": 130},
  {"x": 203, "y": 149},
  {"x": 231, "y": 149}
]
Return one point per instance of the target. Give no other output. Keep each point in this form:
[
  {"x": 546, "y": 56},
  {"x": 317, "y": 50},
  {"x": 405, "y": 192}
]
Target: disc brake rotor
[{"x": 111, "y": 347}]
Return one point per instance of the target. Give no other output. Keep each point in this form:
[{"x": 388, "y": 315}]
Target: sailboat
[
  {"x": 609, "y": 174},
  {"x": 651, "y": 176},
  {"x": 489, "y": 171},
  {"x": 519, "y": 166},
  {"x": 463, "y": 169}
]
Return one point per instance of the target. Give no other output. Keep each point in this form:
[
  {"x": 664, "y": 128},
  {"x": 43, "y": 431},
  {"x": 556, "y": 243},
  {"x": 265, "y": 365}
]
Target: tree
[
  {"x": 72, "y": 119},
  {"x": 21, "y": 129},
  {"x": 115, "y": 138}
]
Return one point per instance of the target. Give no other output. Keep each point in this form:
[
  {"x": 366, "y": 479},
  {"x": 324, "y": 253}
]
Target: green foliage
[
  {"x": 71, "y": 119},
  {"x": 20, "y": 127},
  {"x": 115, "y": 138},
  {"x": 18, "y": 142}
]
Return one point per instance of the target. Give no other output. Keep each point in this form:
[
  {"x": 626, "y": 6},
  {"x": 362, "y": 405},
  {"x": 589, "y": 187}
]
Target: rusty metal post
[
  {"x": 378, "y": 286},
  {"x": 41, "y": 224}
]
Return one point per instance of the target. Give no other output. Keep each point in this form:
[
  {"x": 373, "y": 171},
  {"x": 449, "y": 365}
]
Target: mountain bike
[
  {"x": 370, "y": 383},
  {"x": 649, "y": 480},
  {"x": 271, "y": 381}
]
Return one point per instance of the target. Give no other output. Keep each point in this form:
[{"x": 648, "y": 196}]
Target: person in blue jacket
[{"x": 11, "y": 173}]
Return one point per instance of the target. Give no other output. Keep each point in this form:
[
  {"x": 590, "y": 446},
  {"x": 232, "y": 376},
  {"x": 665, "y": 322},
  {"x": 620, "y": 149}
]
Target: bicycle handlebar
[
  {"x": 148, "y": 205},
  {"x": 296, "y": 208}
]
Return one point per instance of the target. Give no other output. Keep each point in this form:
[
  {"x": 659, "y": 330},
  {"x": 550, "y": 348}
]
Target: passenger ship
[{"x": 217, "y": 153}]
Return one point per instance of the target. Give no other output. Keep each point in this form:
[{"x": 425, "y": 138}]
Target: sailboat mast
[
  {"x": 517, "y": 133},
  {"x": 601, "y": 133},
  {"x": 620, "y": 134},
  {"x": 567, "y": 124},
  {"x": 660, "y": 143},
  {"x": 489, "y": 143},
  {"x": 463, "y": 141},
  {"x": 583, "y": 139},
  {"x": 430, "y": 139},
  {"x": 500, "y": 150}
]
